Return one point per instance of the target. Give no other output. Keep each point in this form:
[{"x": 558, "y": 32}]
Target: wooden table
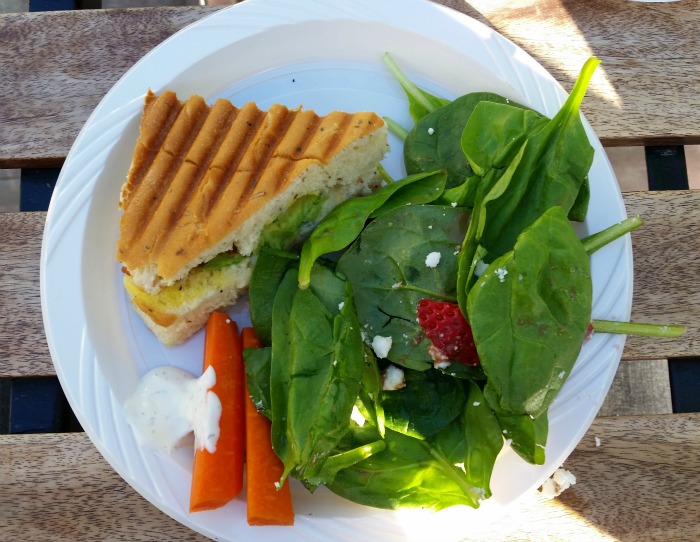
[{"x": 638, "y": 475}]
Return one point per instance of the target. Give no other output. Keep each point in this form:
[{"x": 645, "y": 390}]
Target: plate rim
[{"x": 48, "y": 230}]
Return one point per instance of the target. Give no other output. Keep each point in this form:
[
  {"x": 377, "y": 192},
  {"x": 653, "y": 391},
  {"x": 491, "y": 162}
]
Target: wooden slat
[
  {"x": 649, "y": 73},
  {"x": 664, "y": 289},
  {"x": 640, "y": 484},
  {"x": 70, "y": 60},
  {"x": 640, "y": 388},
  {"x": 58, "y": 487},
  {"x": 23, "y": 347},
  {"x": 665, "y": 270}
]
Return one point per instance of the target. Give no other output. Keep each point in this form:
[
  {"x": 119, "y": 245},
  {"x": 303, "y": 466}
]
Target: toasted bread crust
[{"x": 204, "y": 179}]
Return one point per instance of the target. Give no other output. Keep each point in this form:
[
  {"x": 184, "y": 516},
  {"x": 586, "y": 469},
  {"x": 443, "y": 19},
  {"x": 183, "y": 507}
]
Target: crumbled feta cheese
[
  {"x": 476, "y": 403},
  {"x": 561, "y": 375},
  {"x": 598, "y": 442},
  {"x": 397, "y": 285},
  {"x": 454, "y": 204},
  {"x": 393, "y": 378},
  {"x": 430, "y": 227},
  {"x": 442, "y": 364},
  {"x": 431, "y": 131},
  {"x": 381, "y": 346},
  {"x": 480, "y": 268},
  {"x": 341, "y": 305},
  {"x": 501, "y": 272},
  {"x": 432, "y": 259},
  {"x": 561, "y": 480}
]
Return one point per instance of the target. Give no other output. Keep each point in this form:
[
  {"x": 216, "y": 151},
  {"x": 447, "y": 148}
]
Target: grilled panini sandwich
[{"x": 207, "y": 182}]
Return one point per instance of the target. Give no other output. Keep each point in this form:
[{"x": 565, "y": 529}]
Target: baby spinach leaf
[
  {"x": 329, "y": 288},
  {"x": 579, "y": 209},
  {"x": 495, "y": 132},
  {"x": 428, "y": 403},
  {"x": 287, "y": 230},
  {"x": 529, "y": 313},
  {"x": 270, "y": 268},
  {"x": 344, "y": 223},
  {"x": 526, "y": 435},
  {"x": 462, "y": 195},
  {"x": 483, "y": 439},
  {"x": 257, "y": 369},
  {"x": 435, "y": 141},
  {"x": 408, "y": 473},
  {"x": 223, "y": 260},
  {"x": 474, "y": 440},
  {"x": 552, "y": 170},
  {"x": 427, "y": 189},
  {"x": 463, "y": 372},
  {"x": 370, "y": 402},
  {"x": 316, "y": 366},
  {"x": 386, "y": 268},
  {"x": 472, "y": 252}
]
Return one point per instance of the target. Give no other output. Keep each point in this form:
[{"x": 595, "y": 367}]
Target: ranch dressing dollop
[{"x": 169, "y": 404}]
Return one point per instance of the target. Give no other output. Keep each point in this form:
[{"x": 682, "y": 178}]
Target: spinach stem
[
  {"x": 384, "y": 174},
  {"x": 638, "y": 329},
  {"x": 430, "y": 293},
  {"x": 573, "y": 102},
  {"x": 608, "y": 235},
  {"x": 407, "y": 84},
  {"x": 346, "y": 459},
  {"x": 396, "y": 129}
]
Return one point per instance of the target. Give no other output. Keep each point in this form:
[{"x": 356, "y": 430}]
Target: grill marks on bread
[{"x": 199, "y": 172}]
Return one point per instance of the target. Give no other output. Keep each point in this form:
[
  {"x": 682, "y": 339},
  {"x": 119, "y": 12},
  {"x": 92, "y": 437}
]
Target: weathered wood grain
[
  {"x": 647, "y": 82},
  {"x": 640, "y": 484},
  {"x": 665, "y": 252},
  {"x": 640, "y": 388},
  {"x": 57, "y": 65},
  {"x": 58, "y": 487},
  {"x": 23, "y": 347},
  {"x": 649, "y": 73}
]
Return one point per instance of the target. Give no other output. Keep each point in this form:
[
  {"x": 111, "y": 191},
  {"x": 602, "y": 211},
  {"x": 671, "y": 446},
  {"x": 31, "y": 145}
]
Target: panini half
[{"x": 205, "y": 183}]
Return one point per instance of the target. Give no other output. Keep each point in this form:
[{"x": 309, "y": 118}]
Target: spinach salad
[{"x": 483, "y": 222}]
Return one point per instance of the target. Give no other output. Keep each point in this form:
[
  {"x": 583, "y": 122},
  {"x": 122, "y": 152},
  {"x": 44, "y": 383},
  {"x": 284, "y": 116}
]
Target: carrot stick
[
  {"x": 267, "y": 505},
  {"x": 218, "y": 477}
]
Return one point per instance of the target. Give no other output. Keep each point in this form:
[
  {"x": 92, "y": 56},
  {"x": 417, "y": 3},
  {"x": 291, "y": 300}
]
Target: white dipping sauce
[{"x": 169, "y": 404}]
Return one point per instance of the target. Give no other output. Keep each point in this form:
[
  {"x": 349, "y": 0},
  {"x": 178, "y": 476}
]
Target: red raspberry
[{"x": 449, "y": 332}]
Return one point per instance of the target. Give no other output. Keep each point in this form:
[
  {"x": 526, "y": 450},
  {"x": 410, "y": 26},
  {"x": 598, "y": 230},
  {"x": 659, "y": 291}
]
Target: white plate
[{"x": 325, "y": 55}]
